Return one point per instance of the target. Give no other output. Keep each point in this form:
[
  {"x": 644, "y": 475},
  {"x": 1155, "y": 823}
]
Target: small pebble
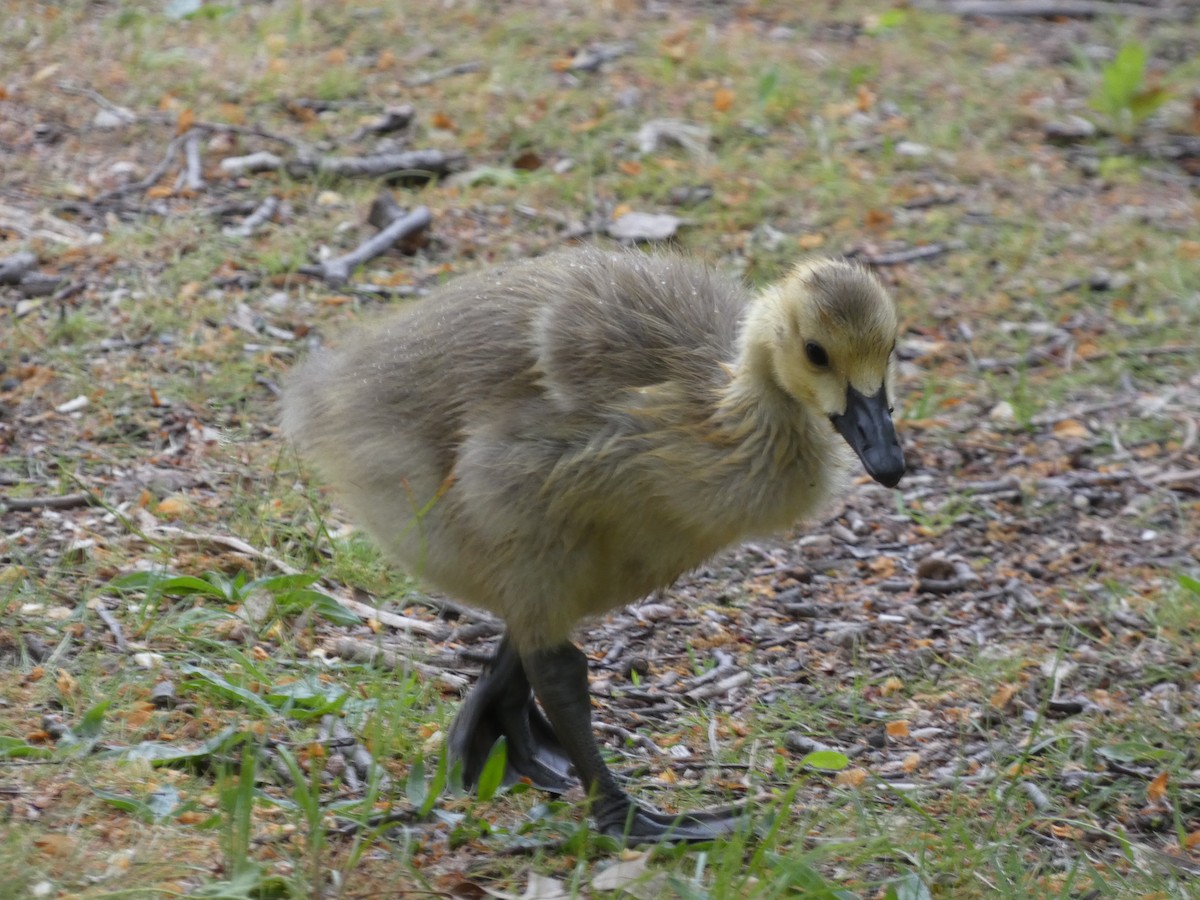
[
  {"x": 911, "y": 149},
  {"x": 73, "y": 405}
]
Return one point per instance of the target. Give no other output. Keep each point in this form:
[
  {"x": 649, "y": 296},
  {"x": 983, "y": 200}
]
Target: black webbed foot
[
  {"x": 636, "y": 824},
  {"x": 501, "y": 705},
  {"x": 559, "y": 677}
]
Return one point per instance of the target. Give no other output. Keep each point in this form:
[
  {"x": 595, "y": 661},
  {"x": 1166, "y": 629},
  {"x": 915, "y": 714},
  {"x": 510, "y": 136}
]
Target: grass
[{"x": 807, "y": 108}]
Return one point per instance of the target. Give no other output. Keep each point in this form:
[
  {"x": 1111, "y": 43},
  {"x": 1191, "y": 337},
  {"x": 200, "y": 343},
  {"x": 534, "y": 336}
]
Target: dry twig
[
  {"x": 337, "y": 271},
  {"x": 262, "y": 214},
  {"x": 58, "y": 501},
  {"x": 911, "y": 254},
  {"x": 1050, "y": 8}
]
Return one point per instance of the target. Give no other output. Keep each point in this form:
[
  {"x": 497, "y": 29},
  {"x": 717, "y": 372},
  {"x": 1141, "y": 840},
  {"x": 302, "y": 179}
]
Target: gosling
[{"x": 553, "y": 439}]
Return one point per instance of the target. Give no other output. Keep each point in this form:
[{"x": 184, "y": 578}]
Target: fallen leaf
[
  {"x": 1157, "y": 789},
  {"x": 897, "y": 729},
  {"x": 893, "y": 685},
  {"x": 1070, "y": 428},
  {"x": 723, "y": 99},
  {"x": 1067, "y": 832},
  {"x": 622, "y": 873},
  {"x": 639, "y": 226},
  {"x": 810, "y": 241},
  {"x": 851, "y": 778},
  {"x": 66, "y": 682},
  {"x": 55, "y": 844},
  {"x": 877, "y": 219},
  {"x": 185, "y": 120},
  {"x": 911, "y": 762},
  {"x": 1003, "y": 696},
  {"x": 542, "y": 887}
]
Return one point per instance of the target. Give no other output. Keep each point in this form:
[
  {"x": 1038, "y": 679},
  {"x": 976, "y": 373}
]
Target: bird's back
[{"x": 574, "y": 331}]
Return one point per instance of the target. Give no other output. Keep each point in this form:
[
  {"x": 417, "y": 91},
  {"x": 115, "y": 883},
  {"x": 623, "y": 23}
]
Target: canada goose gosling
[{"x": 554, "y": 439}]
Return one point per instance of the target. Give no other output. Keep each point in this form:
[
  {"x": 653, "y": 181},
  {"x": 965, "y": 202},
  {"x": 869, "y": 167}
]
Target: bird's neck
[{"x": 753, "y": 401}]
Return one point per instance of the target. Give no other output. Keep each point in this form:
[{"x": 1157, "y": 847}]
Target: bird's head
[{"x": 830, "y": 332}]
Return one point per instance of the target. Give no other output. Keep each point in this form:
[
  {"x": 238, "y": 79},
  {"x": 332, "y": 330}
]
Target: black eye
[{"x": 817, "y": 355}]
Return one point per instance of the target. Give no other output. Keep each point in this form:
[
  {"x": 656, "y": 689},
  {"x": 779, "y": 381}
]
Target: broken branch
[{"x": 337, "y": 271}]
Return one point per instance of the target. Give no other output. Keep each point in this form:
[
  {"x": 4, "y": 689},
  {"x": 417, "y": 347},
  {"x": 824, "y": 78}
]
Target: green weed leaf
[
  {"x": 439, "y": 784},
  {"x": 829, "y": 760},
  {"x": 908, "y": 887},
  {"x": 83, "y": 737},
  {"x": 1122, "y": 96},
  {"x": 158, "y": 753},
  {"x": 15, "y": 748},
  {"x": 223, "y": 688},
  {"x": 415, "y": 788},
  {"x": 492, "y": 775}
]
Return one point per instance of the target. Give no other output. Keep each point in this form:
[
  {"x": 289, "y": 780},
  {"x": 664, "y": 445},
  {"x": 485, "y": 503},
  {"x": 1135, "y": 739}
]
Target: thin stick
[
  {"x": 1050, "y": 8},
  {"x": 262, "y": 214},
  {"x": 58, "y": 501},
  {"x": 193, "y": 174},
  {"x": 114, "y": 626},
  {"x": 912, "y": 254},
  {"x": 337, "y": 271},
  {"x": 152, "y": 179},
  {"x": 448, "y": 72}
]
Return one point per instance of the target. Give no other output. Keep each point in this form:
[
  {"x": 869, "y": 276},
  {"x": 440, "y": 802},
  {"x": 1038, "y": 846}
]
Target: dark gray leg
[
  {"x": 501, "y": 705},
  {"x": 559, "y": 678}
]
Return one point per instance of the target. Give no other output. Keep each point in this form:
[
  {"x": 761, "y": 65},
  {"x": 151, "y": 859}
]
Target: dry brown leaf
[
  {"x": 174, "y": 507},
  {"x": 66, "y": 682},
  {"x": 1070, "y": 428},
  {"x": 723, "y": 99},
  {"x": 892, "y": 685},
  {"x": 851, "y": 777},
  {"x": 877, "y": 219},
  {"x": 911, "y": 762},
  {"x": 810, "y": 241},
  {"x": 1003, "y": 696},
  {"x": 882, "y": 566},
  {"x": 185, "y": 120},
  {"x": 442, "y": 121},
  {"x": 55, "y": 844},
  {"x": 897, "y": 729},
  {"x": 1157, "y": 789},
  {"x": 1067, "y": 832},
  {"x": 139, "y": 715}
]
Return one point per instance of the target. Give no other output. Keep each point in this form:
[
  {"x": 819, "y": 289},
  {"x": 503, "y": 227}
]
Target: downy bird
[{"x": 555, "y": 438}]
